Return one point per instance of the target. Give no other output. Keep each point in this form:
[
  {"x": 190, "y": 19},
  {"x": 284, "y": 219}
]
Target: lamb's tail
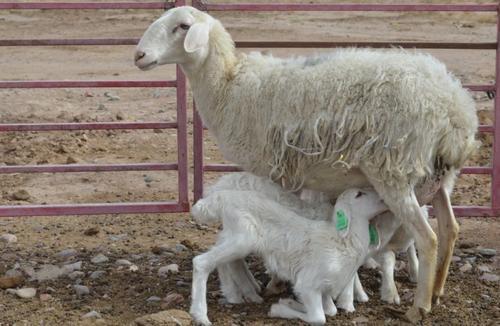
[{"x": 204, "y": 212}]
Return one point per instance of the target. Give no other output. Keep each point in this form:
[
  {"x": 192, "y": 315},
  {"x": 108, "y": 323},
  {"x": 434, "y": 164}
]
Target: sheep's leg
[
  {"x": 404, "y": 204},
  {"x": 345, "y": 300},
  {"x": 359, "y": 293},
  {"x": 313, "y": 306},
  {"x": 412, "y": 263},
  {"x": 203, "y": 265},
  {"x": 328, "y": 306},
  {"x": 448, "y": 233},
  {"x": 244, "y": 279},
  {"x": 388, "y": 289},
  {"x": 229, "y": 287}
]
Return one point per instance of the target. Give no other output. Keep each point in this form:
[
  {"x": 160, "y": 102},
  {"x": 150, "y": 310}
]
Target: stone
[
  {"x": 455, "y": 259},
  {"x": 91, "y": 231},
  {"x": 72, "y": 160},
  {"x": 153, "y": 299},
  {"x": 120, "y": 116},
  {"x": 99, "y": 259},
  {"x": 148, "y": 179},
  {"x": 466, "y": 267},
  {"x": 97, "y": 274},
  {"x": 470, "y": 259},
  {"x": 118, "y": 237},
  {"x": 484, "y": 268},
  {"x": 93, "y": 314},
  {"x": 111, "y": 96},
  {"x": 487, "y": 252},
  {"x": 172, "y": 317},
  {"x": 180, "y": 247},
  {"x": 45, "y": 297},
  {"x": 25, "y": 293},
  {"x": 8, "y": 282},
  {"x": 123, "y": 262},
  {"x": 488, "y": 277},
  {"x": 81, "y": 290},
  {"x": 67, "y": 253},
  {"x": 21, "y": 194},
  {"x": 48, "y": 272},
  {"x": 13, "y": 273},
  {"x": 169, "y": 269},
  {"x": 171, "y": 300},
  {"x": 8, "y": 238},
  {"x": 361, "y": 320},
  {"x": 133, "y": 268},
  {"x": 76, "y": 274},
  {"x": 69, "y": 268}
]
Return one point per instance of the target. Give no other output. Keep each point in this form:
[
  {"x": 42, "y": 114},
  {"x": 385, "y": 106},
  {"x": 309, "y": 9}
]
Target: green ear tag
[
  {"x": 373, "y": 235},
  {"x": 342, "y": 222}
]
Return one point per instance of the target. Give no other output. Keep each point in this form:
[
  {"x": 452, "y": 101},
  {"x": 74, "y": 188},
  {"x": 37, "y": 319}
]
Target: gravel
[{"x": 99, "y": 259}]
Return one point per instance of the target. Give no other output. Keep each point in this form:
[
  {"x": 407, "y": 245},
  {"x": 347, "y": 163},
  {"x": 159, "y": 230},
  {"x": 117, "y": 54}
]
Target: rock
[
  {"x": 120, "y": 116},
  {"x": 8, "y": 238},
  {"x": 169, "y": 269},
  {"x": 118, "y": 237},
  {"x": 13, "y": 273},
  {"x": 484, "y": 268},
  {"x": 180, "y": 247},
  {"x": 97, "y": 274},
  {"x": 466, "y": 267},
  {"x": 67, "y": 253},
  {"x": 101, "y": 107},
  {"x": 153, "y": 299},
  {"x": 25, "y": 293},
  {"x": 21, "y": 194},
  {"x": 173, "y": 317},
  {"x": 171, "y": 300},
  {"x": 486, "y": 297},
  {"x": 488, "y": 277},
  {"x": 48, "y": 272},
  {"x": 91, "y": 231},
  {"x": 111, "y": 96},
  {"x": 81, "y": 290},
  {"x": 455, "y": 259},
  {"x": 148, "y": 179},
  {"x": 76, "y": 274},
  {"x": 45, "y": 297},
  {"x": 160, "y": 250},
  {"x": 69, "y": 268},
  {"x": 133, "y": 268},
  {"x": 361, "y": 320},
  {"x": 471, "y": 259},
  {"x": 123, "y": 262},
  {"x": 92, "y": 314},
  {"x": 8, "y": 282},
  {"x": 71, "y": 160},
  {"x": 487, "y": 252},
  {"x": 99, "y": 259}
]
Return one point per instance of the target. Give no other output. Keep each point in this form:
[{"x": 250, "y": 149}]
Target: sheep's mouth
[{"x": 148, "y": 66}]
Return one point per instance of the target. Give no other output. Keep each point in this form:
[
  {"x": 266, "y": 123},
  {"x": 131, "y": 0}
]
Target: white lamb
[
  {"x": 238, "y": 284},
  {"x": 318, "y": 257},
  {"x": 391, "y": 119}
]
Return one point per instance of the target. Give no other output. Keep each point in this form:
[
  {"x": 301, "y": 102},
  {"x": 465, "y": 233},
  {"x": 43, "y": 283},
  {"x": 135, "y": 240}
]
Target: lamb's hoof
[
  {"x": 436, "y": 299},
  {"x": 331, "y": 312},
  {"x": 200, "y": 320},
  {"x": 362, "y": 297},
  {"x": 254, "y": 298},
  {"x": 415, "y": 315},
  {"x": 391, "y": 298},
  {"x": 276, "y": 311},
  {"x": 346, "y": 307}
]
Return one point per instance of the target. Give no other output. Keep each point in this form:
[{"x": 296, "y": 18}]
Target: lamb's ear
[
  {"x": 196, "y": 37},
  {"x": 342, "y": 222},
  {"x": 374, "y": 236}
]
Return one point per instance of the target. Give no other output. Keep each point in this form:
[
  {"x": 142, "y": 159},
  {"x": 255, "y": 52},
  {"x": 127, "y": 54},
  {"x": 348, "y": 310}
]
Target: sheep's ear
[
  {"x": 342, "y": 222},
  {"x": 196, "y": 37}
]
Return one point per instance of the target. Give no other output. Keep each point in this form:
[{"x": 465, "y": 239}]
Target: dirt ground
[{"x": 121, "y": 295}]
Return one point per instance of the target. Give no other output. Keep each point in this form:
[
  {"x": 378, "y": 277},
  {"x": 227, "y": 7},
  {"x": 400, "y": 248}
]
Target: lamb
[
  {"x": 393, "y": 120},
  {"x": 238, "y": 284},
  {"x": 318, "y": 257}
]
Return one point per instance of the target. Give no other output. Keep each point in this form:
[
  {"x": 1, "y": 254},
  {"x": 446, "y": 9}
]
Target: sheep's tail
[
  {"x": 458, "y": 143},
  {"x": 204, "y": 213}
]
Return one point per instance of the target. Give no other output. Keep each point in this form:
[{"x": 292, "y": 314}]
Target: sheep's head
[
  {"x": 179, "y": 36},
  {"x": 360, "y": 203}
]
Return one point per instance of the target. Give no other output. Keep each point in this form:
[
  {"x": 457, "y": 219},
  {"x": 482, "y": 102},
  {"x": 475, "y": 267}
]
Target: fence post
[
  {"x": 495, "y": 182},
  {"x": 198, "y": 173}
]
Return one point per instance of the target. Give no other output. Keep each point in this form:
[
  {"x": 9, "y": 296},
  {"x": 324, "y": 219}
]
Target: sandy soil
[{"x": 121, "y": 295}]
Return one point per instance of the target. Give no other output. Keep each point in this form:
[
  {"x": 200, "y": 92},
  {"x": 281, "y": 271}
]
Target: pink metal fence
[
  {"x": 494, "y": 210},
  {"x": 182, "y": 203}
]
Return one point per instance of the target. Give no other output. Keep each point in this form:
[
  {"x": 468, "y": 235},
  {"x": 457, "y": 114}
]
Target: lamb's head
[
  {"x": 361, "y": 203},
  {"x": 206, "y": 210},
  {"x": 179, "y": 36}
]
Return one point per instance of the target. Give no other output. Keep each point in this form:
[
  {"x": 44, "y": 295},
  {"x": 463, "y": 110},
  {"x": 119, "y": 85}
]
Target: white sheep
[
  {"x": 392, "y": 119},
  {"x": 318, "y": 257},
  {"x": 237, "y": 283}
]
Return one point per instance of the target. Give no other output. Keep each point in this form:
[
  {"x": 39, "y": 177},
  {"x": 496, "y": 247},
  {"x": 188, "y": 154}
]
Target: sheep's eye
[
  {"x": 184, "y": 26},
  {"x": 359, "y": 194}
]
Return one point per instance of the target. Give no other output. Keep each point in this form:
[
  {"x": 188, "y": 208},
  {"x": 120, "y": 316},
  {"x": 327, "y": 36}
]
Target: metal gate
[
  {"x": 494, "y": 209},
  {"x": 182, "y": 203}
]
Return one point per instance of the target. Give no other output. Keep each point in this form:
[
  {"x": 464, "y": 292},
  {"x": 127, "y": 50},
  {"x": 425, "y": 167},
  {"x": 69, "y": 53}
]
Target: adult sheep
[{"x": 393, "y": 119}]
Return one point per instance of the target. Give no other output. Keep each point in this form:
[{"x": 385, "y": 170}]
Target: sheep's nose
[{"x": 139, "y": 55}]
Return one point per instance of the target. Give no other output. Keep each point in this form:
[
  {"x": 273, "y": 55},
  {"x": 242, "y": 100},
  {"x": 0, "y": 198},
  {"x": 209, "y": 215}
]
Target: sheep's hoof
[
  {"x": 415, "y": 315},
  {"x": 391, "y": 298},
  {"x": 436, "y": 299},
  {"x": 200, "y": 320}
]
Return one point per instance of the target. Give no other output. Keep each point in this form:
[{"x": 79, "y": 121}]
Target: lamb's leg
[
  {"x": 359, "y": 293},
  {"x": 404, "y": 204},
  {"x": 312, "y": 301},
  {"x": 412, "y": 263},
  {"x": 345, "y": 300},
  {"x": 229, "y": 287},
  {"x": 447, "y": 233},
  {"x": 245, "y": 281},
  {"x": 328, "y": 306},
  {"x": 388, "y": 289},
  {"x": 203, "y": 265}
]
